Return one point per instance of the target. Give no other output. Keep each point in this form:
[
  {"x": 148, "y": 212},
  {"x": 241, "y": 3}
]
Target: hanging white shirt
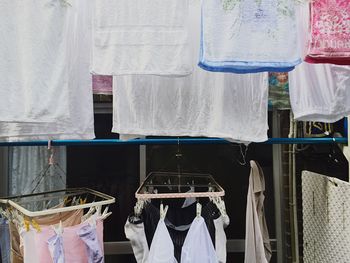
[
  {"x": 80, "y": 124},
  {"x": 34, "y": 54},
  {"x": 141, "y": 37},
  {"x": 207, "y": 104}
]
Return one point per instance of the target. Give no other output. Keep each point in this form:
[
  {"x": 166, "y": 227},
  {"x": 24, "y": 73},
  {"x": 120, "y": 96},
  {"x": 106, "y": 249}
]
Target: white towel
[
  {"x": 318, "y": 92},
  {"x": 248, "y": 36},
  {"x": 33, "y": 60},
  {"x": 80, "y": 124},
  {"x": 203, "y": 104},
  {"x": 141, "y": 37}
]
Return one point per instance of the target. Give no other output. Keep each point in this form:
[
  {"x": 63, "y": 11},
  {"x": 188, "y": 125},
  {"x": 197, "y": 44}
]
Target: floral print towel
[{"x": 330, "y": 32}]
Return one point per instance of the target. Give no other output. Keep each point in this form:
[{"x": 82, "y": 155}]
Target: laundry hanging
[
  {"x": 4, "y": 240},
  {"x": 257, "y": 242},
  {"x": 249, "y": 36},
  {"x": 182, "y": 231},
  {"x": 141, "y": 37},
  {"x": 102, "y": 85},
  {"x": 80, "y": 124},
  {"x": 34, "y": 54},
  {"x": 52, "y": 226},
  {"x": 207, "y": 104},
  {"x": 330, "y": 32},
  {"x": 326, "y": 217},
  {"x": 318, "y": 92},
  {"x": 279, "y": 90}
]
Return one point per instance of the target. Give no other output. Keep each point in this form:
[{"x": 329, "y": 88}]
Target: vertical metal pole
[
  {"x": 4, "y": 176},
  {"x": 278, "y": 188},
  {"x": 143, "y": 163}
]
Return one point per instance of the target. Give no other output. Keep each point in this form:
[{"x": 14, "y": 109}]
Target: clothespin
[
  {"x": 87, "y": 215},
  {"x": 105, "y": 213},
  {"x": 163, "y": 211},
  {"x": 51, "y": 158},
  {"x": 199, "y": 209},
  {"x": 26, "y": 225},
  {"x": 83, "y": 201},
  {"x": 36, "y": 226}
]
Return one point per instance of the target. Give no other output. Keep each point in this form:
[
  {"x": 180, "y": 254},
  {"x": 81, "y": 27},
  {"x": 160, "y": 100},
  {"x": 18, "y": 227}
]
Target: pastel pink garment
[
  {"x": 330, "y": 32},
  {"x": 75, "y": 250},
  {"x": 102, "y": 84}
]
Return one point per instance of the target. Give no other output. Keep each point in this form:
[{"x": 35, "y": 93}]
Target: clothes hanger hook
[{"x": 243, "y": 154}]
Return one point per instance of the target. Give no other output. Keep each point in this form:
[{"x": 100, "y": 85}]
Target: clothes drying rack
[{"x": 276, "y": 142}]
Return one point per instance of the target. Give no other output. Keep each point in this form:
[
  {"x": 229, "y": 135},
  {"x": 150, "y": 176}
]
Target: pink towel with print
[
  {"x": 330, "y": 32},
  {"x": 102, "y": 84}
]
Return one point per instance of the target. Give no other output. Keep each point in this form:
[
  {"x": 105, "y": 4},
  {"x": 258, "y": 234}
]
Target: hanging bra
[
  {"x": 141, "y": 231},
  {"x": 197, "y": 248}
]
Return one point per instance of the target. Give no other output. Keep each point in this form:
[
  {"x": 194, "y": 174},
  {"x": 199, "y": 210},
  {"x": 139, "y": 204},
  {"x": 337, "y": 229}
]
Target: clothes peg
[
  {"x": 163, "y": 211},
  {"x": 36, "y": 226},
  {"x": 199, "y": 209}
]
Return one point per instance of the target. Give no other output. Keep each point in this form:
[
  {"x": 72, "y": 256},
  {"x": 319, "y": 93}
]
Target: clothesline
[{"x": 340, "y": 140}]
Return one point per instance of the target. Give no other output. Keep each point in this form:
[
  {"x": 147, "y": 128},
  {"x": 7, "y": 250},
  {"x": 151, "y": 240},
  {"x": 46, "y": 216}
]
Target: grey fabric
[{"x": 5, "y": 245}]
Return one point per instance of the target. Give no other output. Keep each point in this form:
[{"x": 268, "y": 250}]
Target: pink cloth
[
  {"x": 330, "y": 32},
  {"x": 75, "y": 250},
  {"x": 102, "y": 84}
]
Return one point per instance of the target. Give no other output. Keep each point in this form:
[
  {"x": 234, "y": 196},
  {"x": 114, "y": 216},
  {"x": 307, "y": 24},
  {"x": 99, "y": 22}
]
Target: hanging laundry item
[
  {"x": 80, "y": 124},
  {"x": 207, "y": 104},
  {"x": 102, "y": 85},
  {"x": 198, "y": 247},
  {"x": 257, "y": 242},
  {"x": 162, "y": 247},
  {"x": 248, "y": 36},
  {"x": 5, "y": 245},
  {"x": 279, "y": 90},
  {"x": 74, "y": 247},
  {"x": 330, "y": 32},
  {"x": 318, "y": 92},
  {"x": 141, "y": 231},
  {"x": 141, "y": 37},
  {"x": 34, "y": 59},
  {"x": 326, "y": 217}
]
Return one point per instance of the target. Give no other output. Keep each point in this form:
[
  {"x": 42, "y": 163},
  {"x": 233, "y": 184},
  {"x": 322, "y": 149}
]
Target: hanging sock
[
  {"x": 249, "y": 36},
  {"x": 88, "y": 234},
  {"x": 56, "y": 248},
  {"x": 330, "y": 32}
]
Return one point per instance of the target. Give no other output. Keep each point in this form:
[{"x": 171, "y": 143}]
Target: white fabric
[
  {"x": 249, "y": 36},
  {"x": 135, "y": 232},
  {"x": 137, "y": 236},
  {"x": 80, "y": 124},
  {"x": 198, "y": 247},
  {"x": 257, "y": 243},
  {"x": 33, "y": 60},
  {"x": 141, "y": 37},
  {"x": 26, "y": 167},
  {"x": 204, "y": 104},
  {"x": 220, "y": 237},
  {"x": 162, "y": 247},
  {"x": 326, "y": 218},
  {"x": 28, "y": 246},
  {"x": 318, "y": 92}
]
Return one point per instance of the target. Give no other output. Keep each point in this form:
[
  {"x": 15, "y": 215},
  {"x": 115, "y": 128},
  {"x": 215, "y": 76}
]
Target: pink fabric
[
  {"x": 102, "y": 84},
  {"x": 330, "y": 32},
  {"x": 74, "y": 248}
]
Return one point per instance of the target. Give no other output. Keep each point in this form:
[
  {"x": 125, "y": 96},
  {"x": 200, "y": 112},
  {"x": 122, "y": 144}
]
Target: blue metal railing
[{"x": 159, "y": 141}]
